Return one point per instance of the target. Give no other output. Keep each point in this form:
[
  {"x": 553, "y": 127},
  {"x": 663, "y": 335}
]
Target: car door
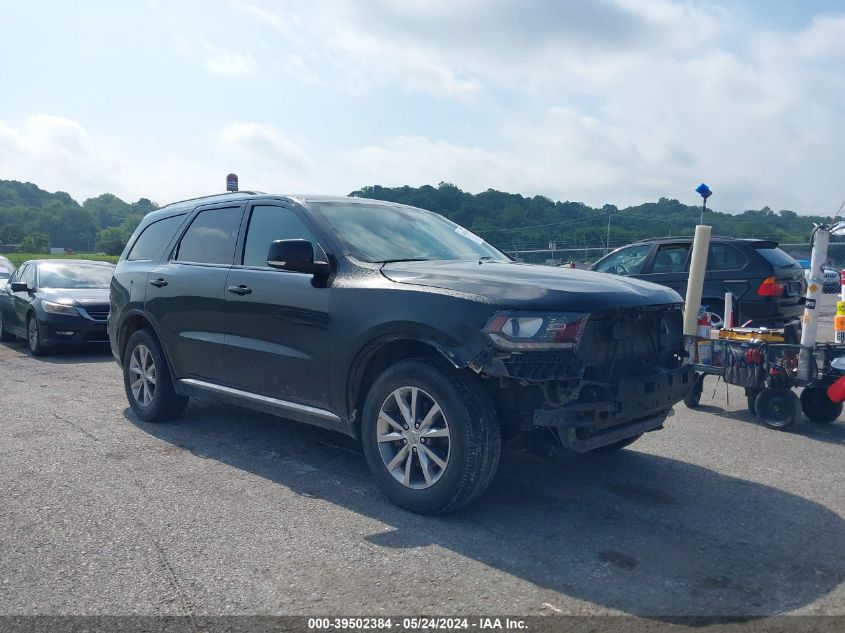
[
  {"x": 7, "y": 302},
  {"x": 276, "y": 320},
  {"x": 185, "y": 292},
  {"x": 668, "y": 267},
  {"x": 22, "y": 299}
]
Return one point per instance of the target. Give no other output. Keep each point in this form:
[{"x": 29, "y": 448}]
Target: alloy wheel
[
  {"x": 32, "y": 334},
  {"x": 413, "y": 437},
  {"x": 143, "y": 375}
]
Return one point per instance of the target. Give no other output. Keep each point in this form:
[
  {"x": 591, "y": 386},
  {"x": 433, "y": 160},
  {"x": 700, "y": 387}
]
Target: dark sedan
[{"x": 54, "y": 303}]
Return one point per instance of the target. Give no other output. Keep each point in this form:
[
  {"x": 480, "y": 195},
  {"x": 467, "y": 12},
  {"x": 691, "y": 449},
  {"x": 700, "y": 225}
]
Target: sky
[{"x": 601, "y": 101}]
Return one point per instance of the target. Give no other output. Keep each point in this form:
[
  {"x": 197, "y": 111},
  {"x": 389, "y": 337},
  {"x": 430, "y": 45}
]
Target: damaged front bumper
[{"x": 630, "y": 407}]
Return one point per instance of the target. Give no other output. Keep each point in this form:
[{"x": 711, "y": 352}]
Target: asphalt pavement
[{"x": 226, "y": 511}]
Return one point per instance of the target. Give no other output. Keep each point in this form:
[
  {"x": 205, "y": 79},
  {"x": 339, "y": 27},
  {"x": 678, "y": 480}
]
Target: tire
[
  {"x": 777, "y": 408},
  {"x": 5, "y": 335},
  {"x": 693, "y": 397},
  {"x": 818, "y": 407},
  {"x": 33, "y": 336},
  {"x": 151, "y": 400},
  {"x": 617, "y": 446},
  {"x": 751, "y": 399},
  {"x": 463, "y": 433}
]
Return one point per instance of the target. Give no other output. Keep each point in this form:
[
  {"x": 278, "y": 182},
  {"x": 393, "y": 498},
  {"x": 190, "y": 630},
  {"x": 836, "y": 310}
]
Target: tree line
[{"x": 34, "y": 219}]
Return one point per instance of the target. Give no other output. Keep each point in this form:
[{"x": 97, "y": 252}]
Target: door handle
[
  {"x": 158, "y": 283},
  {"x": 239, "y": 290}
]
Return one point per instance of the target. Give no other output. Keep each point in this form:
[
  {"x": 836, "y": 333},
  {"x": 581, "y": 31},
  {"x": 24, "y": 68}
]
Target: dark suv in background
[
  {"x": 393, "y": 325},
  {"x": 768, "y": 285}
]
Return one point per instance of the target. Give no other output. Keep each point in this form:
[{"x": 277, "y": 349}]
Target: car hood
[
  {"x": 532, "y": 286},
  {"x": 80, "y": 296}
]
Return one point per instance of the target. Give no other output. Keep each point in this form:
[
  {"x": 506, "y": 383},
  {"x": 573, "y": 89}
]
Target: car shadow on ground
[
  {"x": 833, "y": 433},
  {"x": 629, "y": 531},
  {"x": 97, "y": 353}
]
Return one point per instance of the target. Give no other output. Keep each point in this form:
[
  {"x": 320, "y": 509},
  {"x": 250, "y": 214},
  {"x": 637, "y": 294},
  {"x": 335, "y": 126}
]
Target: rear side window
[
  {"x": 724, "y": 257},
  {"x": 778, "y": 258},
  {"x": 211, "y": 237},
  {"x": 154, "y": 238},
  {"x": 268, "y": 224}
]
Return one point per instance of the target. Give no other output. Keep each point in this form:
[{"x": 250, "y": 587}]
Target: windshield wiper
[{"x": 406, "y": 259}]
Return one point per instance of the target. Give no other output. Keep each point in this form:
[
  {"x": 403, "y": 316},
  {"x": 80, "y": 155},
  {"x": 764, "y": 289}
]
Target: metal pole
[
  {"x": 703, "y": 208},
  {"x": 607, "y": 243}
]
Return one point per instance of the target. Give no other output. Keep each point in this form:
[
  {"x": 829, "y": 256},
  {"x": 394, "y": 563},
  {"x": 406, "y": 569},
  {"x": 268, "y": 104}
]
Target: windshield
[
  {"x": 382, "y": 233},
  {"x": 74, "y": 276}
]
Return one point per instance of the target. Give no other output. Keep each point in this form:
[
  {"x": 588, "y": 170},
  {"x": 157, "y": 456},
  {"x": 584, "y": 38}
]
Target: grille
[
  {"x": 630, "y": 341},
  {"x": 97, "y": 312}
]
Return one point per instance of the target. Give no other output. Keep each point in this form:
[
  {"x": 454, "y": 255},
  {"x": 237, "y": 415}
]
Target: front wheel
[
  {"x": 777, "y": 408},
  {"x": 430, "y": 436},
  {"x": 818, "y": 407},
  {"x": 33, "y": 337},
  {"x": 146, "y": 379}
]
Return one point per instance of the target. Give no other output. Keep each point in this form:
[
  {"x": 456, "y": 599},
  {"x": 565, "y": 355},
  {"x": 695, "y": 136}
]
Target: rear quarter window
[
  {"x": 778, "y": 258},
  {"x": 154, "y": 238}
]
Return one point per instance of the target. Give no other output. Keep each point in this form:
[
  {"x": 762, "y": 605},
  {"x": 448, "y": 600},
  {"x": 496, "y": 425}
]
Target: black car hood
[
  {"x": 532, "y": 286},
  {"x": 81, "y": 296}
]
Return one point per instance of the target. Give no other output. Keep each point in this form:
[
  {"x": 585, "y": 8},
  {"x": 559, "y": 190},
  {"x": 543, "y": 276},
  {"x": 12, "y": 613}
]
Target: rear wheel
[
  {"x": 430, "y": 436},
  {"x": 147, "y": 381},
  {"x": 818, "y": 407},
  {"x": 5, "y": 335},
  {"x": 777, "y": 408},
  {"x": 33, "y": 336}
]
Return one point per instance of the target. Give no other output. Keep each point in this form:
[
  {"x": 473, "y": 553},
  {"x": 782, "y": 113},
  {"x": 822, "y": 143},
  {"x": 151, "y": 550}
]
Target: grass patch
[{"x": 18, "y": 258}]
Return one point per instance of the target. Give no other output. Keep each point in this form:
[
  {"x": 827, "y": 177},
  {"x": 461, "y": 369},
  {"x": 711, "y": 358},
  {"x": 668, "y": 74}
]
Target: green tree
[
  {"x": 35, "y": 243},
  {"x": 111, "y": 240}
]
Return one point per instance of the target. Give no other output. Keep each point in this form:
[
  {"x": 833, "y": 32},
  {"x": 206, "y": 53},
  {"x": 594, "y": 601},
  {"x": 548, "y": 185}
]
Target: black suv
[
  {"x": 393, "y": 325},
  {"x": 768, "y": 285}
]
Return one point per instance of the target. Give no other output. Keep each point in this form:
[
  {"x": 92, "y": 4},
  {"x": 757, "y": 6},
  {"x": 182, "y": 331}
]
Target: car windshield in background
[
  {"x": 74, "y": 276},
  {"x": 383, "y": 233},
  {"x": 778, "y": 258}
]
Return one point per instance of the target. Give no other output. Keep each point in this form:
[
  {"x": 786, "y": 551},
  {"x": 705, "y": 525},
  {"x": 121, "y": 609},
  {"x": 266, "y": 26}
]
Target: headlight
[
  {"x": 521, "y": 330},
  {"x": 59, "y": 308}
]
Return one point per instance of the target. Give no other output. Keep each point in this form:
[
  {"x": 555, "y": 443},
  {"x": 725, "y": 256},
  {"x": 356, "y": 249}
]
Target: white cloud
[{"x": 226, "y": 62}]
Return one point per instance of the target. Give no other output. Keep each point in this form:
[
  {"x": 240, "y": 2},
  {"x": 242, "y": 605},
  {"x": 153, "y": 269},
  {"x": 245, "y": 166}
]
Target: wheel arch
[
  {"x": 131, "y": 323},
  {"x": 379, "y": 354}
]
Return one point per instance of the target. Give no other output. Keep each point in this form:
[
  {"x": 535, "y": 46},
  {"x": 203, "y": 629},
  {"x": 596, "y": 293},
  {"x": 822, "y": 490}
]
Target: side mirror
[
  {"x": 19, "y": 286},
  {"x": 296, "y": 256}
]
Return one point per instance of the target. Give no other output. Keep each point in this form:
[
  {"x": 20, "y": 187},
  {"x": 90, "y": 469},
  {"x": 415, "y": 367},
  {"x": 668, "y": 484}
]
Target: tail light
[{"x": 770, "y": 288}]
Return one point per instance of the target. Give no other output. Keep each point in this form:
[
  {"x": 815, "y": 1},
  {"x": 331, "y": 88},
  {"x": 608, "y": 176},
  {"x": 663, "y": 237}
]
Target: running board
[{"x": 293, "y": 410}]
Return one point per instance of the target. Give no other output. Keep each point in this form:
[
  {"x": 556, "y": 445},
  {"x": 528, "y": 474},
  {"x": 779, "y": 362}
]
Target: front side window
[
  {"x": 73, "y": 276},
  {"x": 154, "y": 238},
  {"x": 268, "y": 224},
  {"x": 625, "y": 261},
  {"x": 211, "y": 237},
  {"x": 384, "y": 233},
  {"x": 28, "y": 276}
]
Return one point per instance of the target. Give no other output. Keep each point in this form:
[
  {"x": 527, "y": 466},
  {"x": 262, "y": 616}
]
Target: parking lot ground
[{"x": 232, "y": 512}]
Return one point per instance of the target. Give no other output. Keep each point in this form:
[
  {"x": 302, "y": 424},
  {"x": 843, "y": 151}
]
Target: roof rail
[{"x": 213, "y": 195}]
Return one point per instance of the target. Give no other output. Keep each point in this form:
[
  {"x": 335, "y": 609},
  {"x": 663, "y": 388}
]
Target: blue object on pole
[{"x": 703, "y": 190}]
